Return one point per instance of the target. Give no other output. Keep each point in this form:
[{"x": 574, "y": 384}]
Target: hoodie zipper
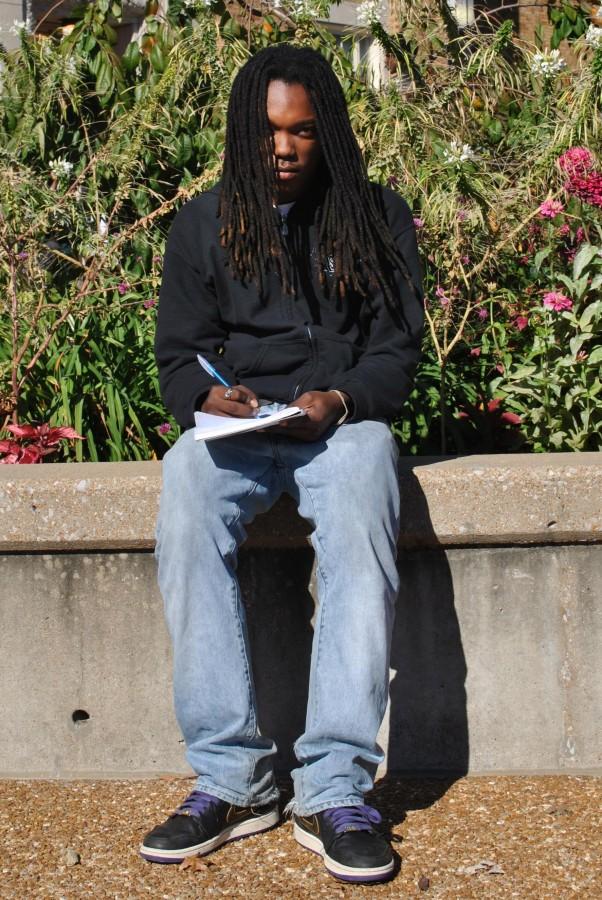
[{"x": 310, "y": 341}]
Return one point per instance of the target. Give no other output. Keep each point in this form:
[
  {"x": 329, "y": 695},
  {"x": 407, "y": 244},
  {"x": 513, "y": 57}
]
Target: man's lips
[{"x": 287, "y": 174}]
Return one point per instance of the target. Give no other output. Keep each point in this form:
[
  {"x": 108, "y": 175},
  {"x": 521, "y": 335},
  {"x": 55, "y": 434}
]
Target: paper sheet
[{"x": 209, "y": 428}]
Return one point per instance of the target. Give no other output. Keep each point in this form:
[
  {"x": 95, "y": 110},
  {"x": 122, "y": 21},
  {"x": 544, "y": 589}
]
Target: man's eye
[{"x": 308, "y": 132}]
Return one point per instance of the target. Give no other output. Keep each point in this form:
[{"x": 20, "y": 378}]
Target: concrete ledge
[
  {"x": 494, "y": 500},
  {"x": 495, "y": 662}
]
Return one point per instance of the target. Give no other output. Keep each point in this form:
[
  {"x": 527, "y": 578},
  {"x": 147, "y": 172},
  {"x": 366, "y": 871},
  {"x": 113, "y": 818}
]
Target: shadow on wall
[
  {"x": 428, "y": 722},
  {"x": 428, "y": 731},
  {"x": 279, "y": 609}
]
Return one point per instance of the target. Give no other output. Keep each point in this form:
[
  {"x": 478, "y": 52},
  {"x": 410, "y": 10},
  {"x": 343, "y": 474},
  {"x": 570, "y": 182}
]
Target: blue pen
[{"x": 211, "y": 371}]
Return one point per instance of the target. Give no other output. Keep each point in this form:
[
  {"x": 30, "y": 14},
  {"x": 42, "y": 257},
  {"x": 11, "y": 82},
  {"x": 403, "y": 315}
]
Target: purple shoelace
[
  {"x": 353, "y": 818},
  {"x": 195, "y": 804}
]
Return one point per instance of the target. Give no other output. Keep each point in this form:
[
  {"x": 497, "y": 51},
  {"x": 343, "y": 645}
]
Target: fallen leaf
[
  {"x": 196, "y": 863},
  {"x": 495, "y": 870},
  {"x": 485, "y": 866},
  {"x": 424, "y": 883},
  {"x": 71, "y": 857}
]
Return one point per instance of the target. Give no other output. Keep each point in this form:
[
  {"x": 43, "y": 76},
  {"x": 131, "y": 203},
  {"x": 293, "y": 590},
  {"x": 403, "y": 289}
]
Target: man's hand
[
  {"x": 322, "y": 410},
  {"x": 238, "y": 401}
]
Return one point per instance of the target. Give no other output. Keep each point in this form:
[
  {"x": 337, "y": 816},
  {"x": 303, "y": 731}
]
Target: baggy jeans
[{"x": 346, "y": 487}]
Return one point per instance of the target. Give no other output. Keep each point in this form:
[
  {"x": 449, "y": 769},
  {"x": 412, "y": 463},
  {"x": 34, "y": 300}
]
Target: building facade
[{"x": 46, "y": 16}]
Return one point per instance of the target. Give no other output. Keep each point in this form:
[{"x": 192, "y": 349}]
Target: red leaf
[
  {"x": 13, "y": 452},
  {"x": 9, "y": 447},
  {"x": 29, "y": 454},
  {"x": 511, "y": 418},
  {"x": 54, "y": 435},
  {"x": 23, "y": 431},
  {"x": 10, "y": 459}
]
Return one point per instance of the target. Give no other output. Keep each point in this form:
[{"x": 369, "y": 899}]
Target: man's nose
[{"x": 284, "y": 147}]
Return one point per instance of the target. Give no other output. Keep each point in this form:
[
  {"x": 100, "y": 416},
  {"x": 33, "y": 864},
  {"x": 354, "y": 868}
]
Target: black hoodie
[{"x": 280, "y": 345}]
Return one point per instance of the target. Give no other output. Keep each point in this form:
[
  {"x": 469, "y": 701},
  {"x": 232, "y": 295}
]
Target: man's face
[{"x": 297, "y": 152}]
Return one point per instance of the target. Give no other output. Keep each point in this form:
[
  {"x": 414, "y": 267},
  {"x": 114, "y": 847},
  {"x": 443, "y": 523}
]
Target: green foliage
[
  {"x": 98, "y": 151},
  {"x": 555, "y": 384},
  {"x": 570, "y": 21}
]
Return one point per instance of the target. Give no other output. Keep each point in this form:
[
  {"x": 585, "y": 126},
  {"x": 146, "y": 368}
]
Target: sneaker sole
[
  {"x": 336, "y": 869},
  {"x": 232, "y": 833}
]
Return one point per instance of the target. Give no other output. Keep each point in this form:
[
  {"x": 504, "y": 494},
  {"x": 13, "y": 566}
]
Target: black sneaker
[
  {"x": 201, "y": 824},
  {"x": 348, "y": 843}
]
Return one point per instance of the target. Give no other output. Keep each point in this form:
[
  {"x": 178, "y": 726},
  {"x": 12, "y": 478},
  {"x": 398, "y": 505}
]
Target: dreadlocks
[{"x": 352, "y": 232}]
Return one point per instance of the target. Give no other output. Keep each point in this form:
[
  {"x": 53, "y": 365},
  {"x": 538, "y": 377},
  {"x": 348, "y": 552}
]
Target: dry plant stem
[
  {"x": 14, "y": 306},
  {"x": 48, "y": 13},
  {"x": 27, "y": 339},
  {"x": 165, "y": 207},
  {"x": 467, "y": 276},
  {"x": 98, "y": 263}
]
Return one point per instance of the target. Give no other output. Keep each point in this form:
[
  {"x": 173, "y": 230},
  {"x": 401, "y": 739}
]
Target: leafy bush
[{"x": 97, "y": 152}]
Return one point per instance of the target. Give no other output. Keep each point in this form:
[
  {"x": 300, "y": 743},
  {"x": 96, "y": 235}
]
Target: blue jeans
[{"x": 346, "y": 487}]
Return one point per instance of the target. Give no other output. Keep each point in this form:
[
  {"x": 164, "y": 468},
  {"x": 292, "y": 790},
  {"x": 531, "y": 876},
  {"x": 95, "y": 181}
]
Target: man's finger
[
  {"x": 297, "y": 429},
  {"x": 240, "y": 394},
  {"x": 236, "y": 409}
]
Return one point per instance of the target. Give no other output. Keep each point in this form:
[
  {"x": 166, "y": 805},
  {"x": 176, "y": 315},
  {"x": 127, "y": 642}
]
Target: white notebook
[{"x": 209, "y": 428}]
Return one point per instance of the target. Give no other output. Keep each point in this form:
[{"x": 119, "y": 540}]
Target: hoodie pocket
[{"x": 275, "y": 358}]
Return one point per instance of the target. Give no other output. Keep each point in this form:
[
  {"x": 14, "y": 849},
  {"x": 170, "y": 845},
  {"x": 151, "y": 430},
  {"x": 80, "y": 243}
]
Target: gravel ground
[{"x": 475, "y": 837}]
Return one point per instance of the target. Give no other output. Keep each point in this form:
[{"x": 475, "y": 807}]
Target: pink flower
[
  {"x": 499, "y": 368},
  {"x": 418, "y": 224},
  {"x": 576, "y": 161},
  {"x": 563, "y": 231},
  {"x": 476, "y": 351},
  {"x": 123, "y": 287},
  {"x": 443, "y": 298},
  {"x": 164, "y": 428},
  {"x": 392, "y": 181},
  {"x": 22, "y": 255},
  {"x": 482, "y": 313},
  {"x": 148, "y": 304},
  {"x": 465, "y": 260},
  {"x": 587, "y": 187},
  {"x": 580, "y": 235},
  {"x": 556, "y": 301},
  {"x": 521, "y": 322},
  {"x": 550, "y": 208},
  {"x": 461, "y": 215}
]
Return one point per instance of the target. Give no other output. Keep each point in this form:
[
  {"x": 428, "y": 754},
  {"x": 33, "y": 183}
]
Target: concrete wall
[
  {"x": 495, "y": 661},
  {"x": 10, "y": 11}
]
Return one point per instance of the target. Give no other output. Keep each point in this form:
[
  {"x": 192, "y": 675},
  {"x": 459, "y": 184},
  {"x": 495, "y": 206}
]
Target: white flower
[
  {"x": 370, "y": 11},
  {"x": 19, "y": 26},
  {"x": 458, "y": 153},
  {"x": 547, "y": 63},
  {"x": 193, "y": 4},
  {"x": 593, "y": 37},
  {"x": 103, "y": 227},
  {"x": 60, "y": 168},
  {"x": 71, "y": 66},
  {"x": 304, "y": 9}
]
